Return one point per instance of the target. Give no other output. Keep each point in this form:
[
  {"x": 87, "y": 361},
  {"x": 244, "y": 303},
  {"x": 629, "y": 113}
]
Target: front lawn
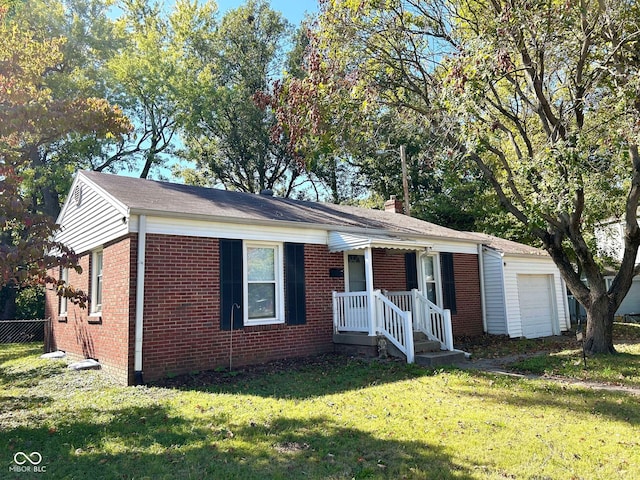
[
  {"x": 622, "y": 369},
  {"x": 331, "y": 418}
]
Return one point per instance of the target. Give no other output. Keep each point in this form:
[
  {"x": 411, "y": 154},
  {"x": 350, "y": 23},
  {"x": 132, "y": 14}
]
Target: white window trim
[
  {"x": 64, "y": 301},
  {"x": 96, "y": 309},
  {"x": 279, "y": 281},
  {"x": 436, "y": 274}
]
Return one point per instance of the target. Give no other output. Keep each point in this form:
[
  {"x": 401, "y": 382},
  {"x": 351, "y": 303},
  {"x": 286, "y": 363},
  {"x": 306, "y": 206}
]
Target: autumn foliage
[{"x": 29, "y": 118}]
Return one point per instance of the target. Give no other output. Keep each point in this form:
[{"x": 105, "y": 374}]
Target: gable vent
[{"x": 77, "y": 195}]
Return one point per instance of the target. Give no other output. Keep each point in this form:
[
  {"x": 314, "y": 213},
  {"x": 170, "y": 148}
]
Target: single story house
[{"x": 183, "y": 278}]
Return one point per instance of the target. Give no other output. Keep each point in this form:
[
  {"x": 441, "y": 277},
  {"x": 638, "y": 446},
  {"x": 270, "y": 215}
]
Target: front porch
[{"x": 407, "y": 320}]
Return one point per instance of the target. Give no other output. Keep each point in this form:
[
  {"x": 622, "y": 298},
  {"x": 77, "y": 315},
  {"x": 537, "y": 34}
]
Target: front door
[{"x": 356, "y": 303}]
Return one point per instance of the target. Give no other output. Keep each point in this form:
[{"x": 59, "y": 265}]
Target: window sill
[
  {"x": 95, "y": 318},
  {"x": 62, "y": 318},
  {"x": 259, "y": 323}
]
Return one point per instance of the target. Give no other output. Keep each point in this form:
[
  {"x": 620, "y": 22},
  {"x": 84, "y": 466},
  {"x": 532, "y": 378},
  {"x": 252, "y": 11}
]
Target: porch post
[
  {"x": 368, "y": 273},
  {"x": 416, "y": 310}
]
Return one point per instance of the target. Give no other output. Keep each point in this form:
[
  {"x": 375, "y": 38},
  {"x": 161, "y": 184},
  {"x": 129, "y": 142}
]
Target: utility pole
[{"x": 405, "y": 181}]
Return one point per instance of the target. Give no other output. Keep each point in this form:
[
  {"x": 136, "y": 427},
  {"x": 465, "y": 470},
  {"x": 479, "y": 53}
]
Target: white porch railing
[
  {"x": 428, "y": 318},
  {"x": 397, "y": 315},
  {"x": 395, "y": 325},
  {"x": 351, "y": 314}
]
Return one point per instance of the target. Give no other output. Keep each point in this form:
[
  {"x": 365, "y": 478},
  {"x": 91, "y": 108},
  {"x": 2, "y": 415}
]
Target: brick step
[{"x": 436, "y": 359}]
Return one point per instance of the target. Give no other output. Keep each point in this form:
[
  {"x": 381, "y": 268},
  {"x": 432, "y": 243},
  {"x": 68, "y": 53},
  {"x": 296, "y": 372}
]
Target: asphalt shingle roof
[
  {"x": 508, "y": 246},
  {"x": 147, "y": 196}
]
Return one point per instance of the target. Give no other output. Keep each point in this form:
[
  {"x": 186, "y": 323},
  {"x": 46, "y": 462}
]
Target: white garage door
[{"x": 536, "y": 306}]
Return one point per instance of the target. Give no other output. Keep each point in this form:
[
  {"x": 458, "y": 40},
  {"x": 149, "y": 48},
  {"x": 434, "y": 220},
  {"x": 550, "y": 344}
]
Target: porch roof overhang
[{"x": 344, "y": 241}]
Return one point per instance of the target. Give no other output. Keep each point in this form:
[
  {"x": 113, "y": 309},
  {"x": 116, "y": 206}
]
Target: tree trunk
[{"x": 599, "y": 334}]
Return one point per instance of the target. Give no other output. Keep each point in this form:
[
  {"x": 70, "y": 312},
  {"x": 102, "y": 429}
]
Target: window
[
  {"x": 357, "y": 277},
  {"x": 429, "y": 277},
  {"x": 263, "y": 289},
  {"x": 261, "y": 283},
  {"x": 96, "y": 282},
  {"x": 64, "y": 301}
]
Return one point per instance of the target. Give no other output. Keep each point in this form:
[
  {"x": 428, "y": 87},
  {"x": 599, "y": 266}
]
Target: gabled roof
[{"x": 152, "y": 197}]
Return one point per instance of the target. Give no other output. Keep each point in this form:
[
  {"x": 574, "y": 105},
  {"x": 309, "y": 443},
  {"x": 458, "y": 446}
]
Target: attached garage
[
  {"x": 536, "y": 305},
  {"x": 523, "y": 293}
]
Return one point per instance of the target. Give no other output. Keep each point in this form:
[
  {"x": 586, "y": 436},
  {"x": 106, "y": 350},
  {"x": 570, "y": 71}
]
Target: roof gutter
[{"x": 142, "y": 240}]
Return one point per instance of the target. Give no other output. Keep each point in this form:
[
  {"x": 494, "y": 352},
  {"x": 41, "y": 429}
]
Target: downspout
[
  {"x": 142, "y": 240},
  {"x": 483, "y": 300}
]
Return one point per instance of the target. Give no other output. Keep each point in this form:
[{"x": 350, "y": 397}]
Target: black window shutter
[
  {"x": 411, "y": 269},
  {"x": 294, "y": 291},
  {"x": 231, "y": 284},
  {"x": 448, "y": 282}
]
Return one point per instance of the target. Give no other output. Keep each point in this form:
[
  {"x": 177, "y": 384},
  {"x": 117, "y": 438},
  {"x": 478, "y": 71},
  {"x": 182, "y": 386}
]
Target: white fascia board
[
  {"x": 525, "y": 258},
  {"x": 234, "y": 230},
  {"x": 454, "y": 246}
]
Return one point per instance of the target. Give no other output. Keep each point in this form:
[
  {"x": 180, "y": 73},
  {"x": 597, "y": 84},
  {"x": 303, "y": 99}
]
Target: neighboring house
[
  {"x": 184, "y": 278},
  {"x": 610, "y": 241},
  {"x": 524, "y": 293}
]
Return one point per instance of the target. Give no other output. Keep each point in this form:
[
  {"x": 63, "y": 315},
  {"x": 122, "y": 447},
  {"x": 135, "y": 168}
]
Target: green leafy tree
[
  {"x": 229, "y": 132},
  {"x": 541, "y": 95},
  {"x": 148, "y": 74}
]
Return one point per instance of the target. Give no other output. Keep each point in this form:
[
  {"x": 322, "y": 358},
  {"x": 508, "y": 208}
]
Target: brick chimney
[{"x": 393, "y": 205}]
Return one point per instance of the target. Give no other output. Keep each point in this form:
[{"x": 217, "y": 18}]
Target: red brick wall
[
  {"x": 389, "y": 270},
  {"x": 107, "y": 337},
  {"x": 468, "y": 319},
  {"x": 182, "y": 311},
  {"x": 182, "y": 308}
]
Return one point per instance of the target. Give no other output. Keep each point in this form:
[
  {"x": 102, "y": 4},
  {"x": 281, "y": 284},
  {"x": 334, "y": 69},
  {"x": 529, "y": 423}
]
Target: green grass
[
  {"x": 334, "y": 419},
  {"x": 622, "y": 369}
]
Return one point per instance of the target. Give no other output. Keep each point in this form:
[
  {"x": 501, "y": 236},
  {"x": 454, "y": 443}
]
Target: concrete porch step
[
  {"x": 424, "y": 346},
  {"x": 437, "y": 359},
  {"x": 419, "y": 337}
]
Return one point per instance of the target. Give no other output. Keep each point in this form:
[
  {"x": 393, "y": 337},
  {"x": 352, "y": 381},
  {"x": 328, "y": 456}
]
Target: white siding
[
  {"x": 96, "y": 220},
  {"x": 494, "y": 292},
  {"x": 631, "y": 303},
  {"x": 610, "y": 241},
  {"x": 533, "y": 266}
]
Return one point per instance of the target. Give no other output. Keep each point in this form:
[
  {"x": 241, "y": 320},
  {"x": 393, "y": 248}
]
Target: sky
[{"x": 292, "y": 10}]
